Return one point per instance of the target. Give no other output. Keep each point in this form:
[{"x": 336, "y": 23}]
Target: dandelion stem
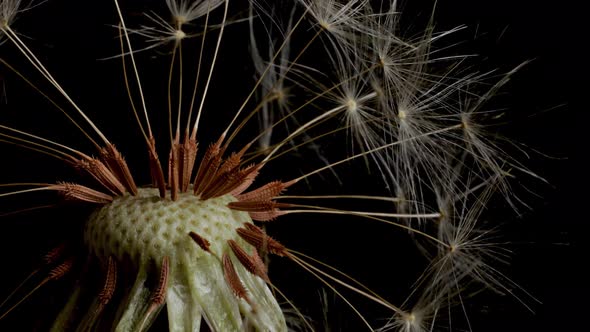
[
  {"x": 376, "y": 198},
  {"x": 190, "y": 112},
  {"x": 65, "y": 147},
  {"x": 128, "y": 88},
  {"x": 304, "y": 127},
  {"x": 309, "y": 268},
  {"x": 24, "y": 191},
  {"x": 222, "y": 29},
  {"x": 39, "y": 66},
  {"x": 373, "y": 216},
  {"x": 145, "y": 112},
  {"x": 50, "y": 100},
  {"x": 180, "y": 74},
  {"x": 342, "y": 283},
  {"x": 321, "y": 210},
  {"x": 270, "y": 64},
  {"x": 170, "y": 74},
  {"x": 383, "y": 147}
]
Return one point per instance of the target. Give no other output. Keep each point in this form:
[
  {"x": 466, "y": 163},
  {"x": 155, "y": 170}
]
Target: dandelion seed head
[
  {"x": 452, "y": 248},
  {"x": 180, "y": 35},
  {"x": 280, "y": 94},
  {"x": 411, "y": 321},
  {"x": 186, "y": 11},
  {"x": 402, "y": 114},
  {"x": 190, "y": 241},
  {"x": 144, "y": 229},
  {"x": 8, "y": 11},
  {"x": 120, "y": 227},
  {"x": 466, "y": 122},
  {"x": 351, "y": 105}
]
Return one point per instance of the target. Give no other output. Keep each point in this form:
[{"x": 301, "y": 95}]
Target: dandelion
[
  {"x": 189, "y": 230},
  {"x": 8, "y": 12}
]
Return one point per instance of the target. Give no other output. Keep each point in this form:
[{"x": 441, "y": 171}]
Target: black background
[{"x": 548, "y": 242}]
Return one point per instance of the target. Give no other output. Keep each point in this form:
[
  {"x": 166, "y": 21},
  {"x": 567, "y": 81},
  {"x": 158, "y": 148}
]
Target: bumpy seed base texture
[{"x": 144, "y": 229}]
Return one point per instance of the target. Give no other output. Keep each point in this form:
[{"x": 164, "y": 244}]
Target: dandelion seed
[
  {"x": 8, "y": 12},
  {"x": 186, "y": 11}
]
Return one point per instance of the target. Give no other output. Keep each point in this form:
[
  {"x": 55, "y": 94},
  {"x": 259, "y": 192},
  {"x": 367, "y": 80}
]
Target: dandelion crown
[{"x": 193, "y": 242}]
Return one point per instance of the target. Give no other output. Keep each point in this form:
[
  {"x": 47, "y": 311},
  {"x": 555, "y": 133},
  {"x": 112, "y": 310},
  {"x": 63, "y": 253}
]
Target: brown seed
[
  {"x": 250, "y": 263},
  {"x": 254, "y": 206},
  {"x": 232, "y": 278},
  {"x": 266, "y": 192},
  {"x": 54, "y": 254},
  {"x": 110, "y": 282},
  {"x": 159, "y": 296},
  {"x": 266, "y": 216},
  {"x": 117, "y": 164},
  {"x": 208, "y": 166},
  {"x": 61, "y": 270},
  {"x": 234, "y": 180},
  {"x": 260, "y": 210},
  {"x": 188, "y": 153},
  {"x": 81, "y": 193},
  {"x": 256, "y": 237},
  {"x": 100, "y": 172},
  {"x": 173, "y": 170},
  {"x": 156, "y": 168},
  {"x": 200, "y": 241}
]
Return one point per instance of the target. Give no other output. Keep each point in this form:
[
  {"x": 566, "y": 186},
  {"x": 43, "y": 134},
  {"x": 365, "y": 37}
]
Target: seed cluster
[{"x": 146, "y": 227}]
